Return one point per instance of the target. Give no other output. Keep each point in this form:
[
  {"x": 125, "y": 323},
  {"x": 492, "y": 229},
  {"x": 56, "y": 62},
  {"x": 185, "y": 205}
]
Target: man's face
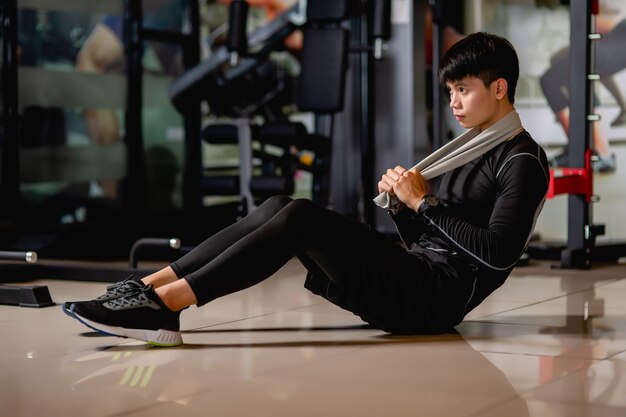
[{"x": 473, "y": 104}]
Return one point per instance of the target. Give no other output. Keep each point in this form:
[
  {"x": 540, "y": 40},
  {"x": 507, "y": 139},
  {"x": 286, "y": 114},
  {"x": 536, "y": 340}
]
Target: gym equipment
[
  {"x": 581, "y": 248},
  {"x": 381, "y": 25},
  {"x": 24, "y": 296},
  {"x": 579, "y": 239},
  {"x": 233, "y": 92},
  {"x": 331, "y": 30},
  {"x": 438, "y": 13},
  {"x": 237, "y": 42},
  {"x": 173, "y": 243},
  {"x": 29, "y": 257},
  {"x": 254, "y": 86},
  {"x": 203, "y": 80}
]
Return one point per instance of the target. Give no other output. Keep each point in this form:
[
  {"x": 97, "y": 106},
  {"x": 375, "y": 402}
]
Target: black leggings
[{"x": 351, "y": 264}]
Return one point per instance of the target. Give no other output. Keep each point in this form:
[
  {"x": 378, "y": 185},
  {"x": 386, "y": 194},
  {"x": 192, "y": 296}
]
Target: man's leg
[
  {"x": 200, "y": 255},
  {"x": 213, "y": 246},
  {"x": 371, "y": 275},
  {"x": 352, "y": 265},
  {"x": 252, "y": 249},
  {"x": 242, "y": 255},
  {"x": 342, "y": 249}
]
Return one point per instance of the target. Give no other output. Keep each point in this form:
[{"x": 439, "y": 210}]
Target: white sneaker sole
[{"x": 161, "y": 337}]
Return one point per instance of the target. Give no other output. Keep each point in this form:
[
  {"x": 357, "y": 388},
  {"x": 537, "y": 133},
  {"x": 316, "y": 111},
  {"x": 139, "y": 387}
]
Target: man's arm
[{"x": 523, "y": 185}]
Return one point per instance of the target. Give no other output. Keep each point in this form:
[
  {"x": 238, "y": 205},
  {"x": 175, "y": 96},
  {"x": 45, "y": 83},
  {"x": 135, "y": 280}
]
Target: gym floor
[{"x": 550, "y": 342}]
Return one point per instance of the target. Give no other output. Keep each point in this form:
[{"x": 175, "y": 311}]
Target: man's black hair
[{"x": 482, "y": 55}]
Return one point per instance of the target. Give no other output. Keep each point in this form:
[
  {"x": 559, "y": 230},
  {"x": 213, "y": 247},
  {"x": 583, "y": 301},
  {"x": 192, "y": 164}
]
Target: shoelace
[
  {"x": 137, "y": 298},
  {"x": 120, "y": 288}
]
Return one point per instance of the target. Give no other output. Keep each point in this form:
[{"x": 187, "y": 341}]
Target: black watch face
[{"x": 431, "y": 200}]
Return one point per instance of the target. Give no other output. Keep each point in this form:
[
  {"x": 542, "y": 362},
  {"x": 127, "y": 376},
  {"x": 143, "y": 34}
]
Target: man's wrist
[{"x": 429, "y": 201}]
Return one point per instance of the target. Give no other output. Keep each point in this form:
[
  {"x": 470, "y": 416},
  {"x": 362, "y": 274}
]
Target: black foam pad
[
  {"x": 220, "y": 134},
  {"x": 281, "y": 133},
  {"x": 321, "y": 10},
  {"x": 324, "y": 63}
]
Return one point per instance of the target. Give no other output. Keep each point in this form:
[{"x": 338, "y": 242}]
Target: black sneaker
[
  {"x": 139, "y": 314},
  {"x": 605, "y": 164},
  {"x": 116, "y": 290}
]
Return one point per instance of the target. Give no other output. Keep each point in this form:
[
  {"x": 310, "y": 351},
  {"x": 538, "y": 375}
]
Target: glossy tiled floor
[{"x": 550, "y": 342}]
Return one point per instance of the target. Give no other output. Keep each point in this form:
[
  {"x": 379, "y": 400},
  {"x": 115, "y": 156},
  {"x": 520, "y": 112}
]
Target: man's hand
[
  {"x": 389, "y": 179},
  {"x": 406, "y": 184}
]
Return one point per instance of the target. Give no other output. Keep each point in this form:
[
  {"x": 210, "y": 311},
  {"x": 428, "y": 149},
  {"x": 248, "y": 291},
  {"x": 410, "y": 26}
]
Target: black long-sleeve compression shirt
[{"x": 487, "y": 213}]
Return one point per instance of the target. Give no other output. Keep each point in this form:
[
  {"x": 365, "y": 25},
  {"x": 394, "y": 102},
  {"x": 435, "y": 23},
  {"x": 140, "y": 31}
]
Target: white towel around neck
[{"x": 466, "y": 147}]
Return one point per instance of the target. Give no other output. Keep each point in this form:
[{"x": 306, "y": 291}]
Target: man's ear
[{"x": 501, "y": 88}]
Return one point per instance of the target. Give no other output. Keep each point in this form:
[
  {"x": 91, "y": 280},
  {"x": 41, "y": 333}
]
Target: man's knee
[
  {"x": 298, "y": 212},
  {"x": 275, "y": 204},
  {"x": 284, "y": 209}
]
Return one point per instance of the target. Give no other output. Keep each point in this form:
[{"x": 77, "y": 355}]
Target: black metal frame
[
  {"x": 580, "y": 240},
  {"x": 10, "y": 169},
  {"x": 582, "y": 248},
  {"x": 134, "y": 197},
  {"x": 364, "y": 83},
  {"x": 437, "y": 10}
]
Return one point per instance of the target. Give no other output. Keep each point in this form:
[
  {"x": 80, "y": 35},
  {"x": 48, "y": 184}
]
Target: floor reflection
[
  {"x": 572, "y": 338},
  {"x": 434, "y": 374}
]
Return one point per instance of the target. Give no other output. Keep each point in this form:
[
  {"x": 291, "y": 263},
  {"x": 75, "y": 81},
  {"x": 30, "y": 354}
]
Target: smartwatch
[{"x": 428, "y": 201}]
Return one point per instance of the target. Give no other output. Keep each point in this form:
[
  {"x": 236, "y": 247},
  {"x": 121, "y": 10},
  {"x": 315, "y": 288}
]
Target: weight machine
[
  {"x": 581, "y": 248},
  {"x": 239, "y": 82}
]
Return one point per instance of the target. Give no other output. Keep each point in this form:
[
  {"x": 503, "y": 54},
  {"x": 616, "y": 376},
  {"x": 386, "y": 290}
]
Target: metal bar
[
  {"x": 165, "y": 36},
  {"x": 437, "y": 48},
  {"x": 172, "y": 243},
  {"x": 366, "y": 92},
  {"x": 579, "y": 241},
  {"x": 29, "y": 257},
  {"x": 10, "y": 169},
  {"x": 192, "y": 119},
  {"x": 244, "y": 136},
  {"x": 134, "y": 197}
]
